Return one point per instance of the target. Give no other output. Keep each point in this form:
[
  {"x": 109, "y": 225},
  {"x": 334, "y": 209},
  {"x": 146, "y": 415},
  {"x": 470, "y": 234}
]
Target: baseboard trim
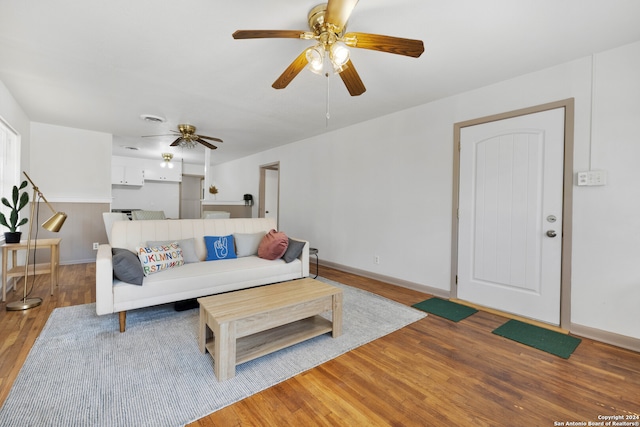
[
  {"x": 387, "y": 279},
  {"x": 612, "y": 338},
  {"x": 617, "y": 340}
]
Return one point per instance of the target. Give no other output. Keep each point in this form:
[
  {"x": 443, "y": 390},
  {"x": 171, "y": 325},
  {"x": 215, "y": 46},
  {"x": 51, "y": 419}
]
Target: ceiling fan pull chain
[{"x": 328, "y": 115}]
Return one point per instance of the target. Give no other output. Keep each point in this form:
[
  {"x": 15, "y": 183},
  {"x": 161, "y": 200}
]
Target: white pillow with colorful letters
[{"x": 155, "y": 259}]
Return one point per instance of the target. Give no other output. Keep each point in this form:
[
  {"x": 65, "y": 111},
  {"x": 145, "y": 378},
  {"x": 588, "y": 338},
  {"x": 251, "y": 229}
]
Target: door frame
[
  {"x": 261, "y": 192},
  {"x": 567, "y": 197}
]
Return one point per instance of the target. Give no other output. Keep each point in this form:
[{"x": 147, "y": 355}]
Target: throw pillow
[
  {"x": 126, "y": 266},
  {"x": 293, "y": 250},
  {"x": 158, "y": 258},
  {"x": 273, "y": 245},
  {"x": 188, "y": 247},
  {"x": 219, "y": 247},
  {"x": 247, "y": 244}
]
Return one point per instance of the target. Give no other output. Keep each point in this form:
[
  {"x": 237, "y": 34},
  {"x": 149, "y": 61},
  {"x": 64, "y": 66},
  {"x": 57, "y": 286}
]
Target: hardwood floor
[{"x": 430, "y": 373}]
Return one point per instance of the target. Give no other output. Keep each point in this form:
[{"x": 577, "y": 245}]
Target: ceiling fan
[
  {"x": 327, "y": 24},
  {"x": 188, "y": 137}
]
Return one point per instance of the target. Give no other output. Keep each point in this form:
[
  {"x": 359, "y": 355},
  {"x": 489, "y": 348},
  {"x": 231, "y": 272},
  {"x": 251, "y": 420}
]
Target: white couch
[{"x": 190, "y": 280}]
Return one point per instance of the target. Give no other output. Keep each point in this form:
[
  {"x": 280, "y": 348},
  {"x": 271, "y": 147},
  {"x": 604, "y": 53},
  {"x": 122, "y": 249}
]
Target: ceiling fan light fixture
[
  {"x": 167, "y": 160},
  {"x": 339, "y": 55},
  {"x": 315, "y": 58},
  {"x": 187, "y": 143}
]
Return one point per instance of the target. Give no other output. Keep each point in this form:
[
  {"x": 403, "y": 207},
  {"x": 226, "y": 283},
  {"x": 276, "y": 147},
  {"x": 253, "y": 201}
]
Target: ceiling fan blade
[
  {"x": 210, "y": 137},
  {"x": 291, "y": 72},
  {"x": 268, "y": 34},
  {"x": 338, "y": 12},
  {"x": 352, "y": 80},
  {"x": 397, "y": 45},
  {"x": 206, "y": 144},
  {"x": 176, "y": 142}
]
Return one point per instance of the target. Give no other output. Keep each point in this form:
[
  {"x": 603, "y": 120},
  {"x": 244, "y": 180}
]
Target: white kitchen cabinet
[
  {"x": 154, "y": 172},
  {"x": 127, "y": 175}
]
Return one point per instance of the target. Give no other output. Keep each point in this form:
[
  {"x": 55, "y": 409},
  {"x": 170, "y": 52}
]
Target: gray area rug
[{"x": 82, "y": 372}]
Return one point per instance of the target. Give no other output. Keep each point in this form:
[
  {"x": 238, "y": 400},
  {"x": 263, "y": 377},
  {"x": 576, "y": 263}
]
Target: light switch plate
[{"x": 592, "y": 178}]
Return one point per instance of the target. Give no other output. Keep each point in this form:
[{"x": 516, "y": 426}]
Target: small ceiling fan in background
[
  {"x": 188, "y": 137},
  {"x": 327, "y": 24}
]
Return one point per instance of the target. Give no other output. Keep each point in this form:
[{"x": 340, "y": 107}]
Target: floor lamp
[{"x": 52, "y": 224}]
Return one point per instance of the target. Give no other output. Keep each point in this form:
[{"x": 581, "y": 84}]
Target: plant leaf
[
  {"x": 15, "y": 195},
  {"x": 14, "y": 220},
  {"x": 24, "y": 199}
]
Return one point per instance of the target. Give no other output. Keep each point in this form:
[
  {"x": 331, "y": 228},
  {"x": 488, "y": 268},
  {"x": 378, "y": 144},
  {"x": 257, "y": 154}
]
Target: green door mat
[
  {"x": 543, "y": 339},
  {"x": 447, "y": 309}
]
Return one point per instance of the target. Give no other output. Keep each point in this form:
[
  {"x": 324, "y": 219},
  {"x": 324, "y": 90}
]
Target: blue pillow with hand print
[{"x": 219, "y": 247}]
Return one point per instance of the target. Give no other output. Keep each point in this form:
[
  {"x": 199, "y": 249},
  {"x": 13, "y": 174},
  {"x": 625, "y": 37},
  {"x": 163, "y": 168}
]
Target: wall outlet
[
  {"x": 95, "y": 246},
  {"x": 376, "y": 259}
]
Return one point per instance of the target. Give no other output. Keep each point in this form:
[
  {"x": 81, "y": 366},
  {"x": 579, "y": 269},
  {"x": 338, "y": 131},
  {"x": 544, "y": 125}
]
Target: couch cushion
[
  {"x": 273, "y": 245},
  {"x": 219, "y": 247},
  {"x": 247, "y": 244},
  {"x": 201, "y": 279},
  {"x": 187, "y": 245},
  {"x": 126, "y": 266},
  {"x": 294, "y": 249},
  {"x": 158, "y": 258}
]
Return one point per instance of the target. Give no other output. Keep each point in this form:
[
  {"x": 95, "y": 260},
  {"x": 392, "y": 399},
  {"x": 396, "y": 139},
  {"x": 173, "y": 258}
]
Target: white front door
[{"x": 510, "y": 214}]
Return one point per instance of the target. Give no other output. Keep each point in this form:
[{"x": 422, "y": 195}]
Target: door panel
[{"x": 511, "y": 177}]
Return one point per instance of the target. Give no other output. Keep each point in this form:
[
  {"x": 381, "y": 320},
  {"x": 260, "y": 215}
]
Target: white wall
[
  {"x": 606, "y": 267},
  {"x": 383, "y": 187},
  {"x": 71, "y": 165},
  {"x": 191, "y": 169}
]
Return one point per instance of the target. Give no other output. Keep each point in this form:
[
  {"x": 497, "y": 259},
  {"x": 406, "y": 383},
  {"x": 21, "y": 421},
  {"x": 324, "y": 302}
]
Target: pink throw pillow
[{"x": 273, "y": 245}]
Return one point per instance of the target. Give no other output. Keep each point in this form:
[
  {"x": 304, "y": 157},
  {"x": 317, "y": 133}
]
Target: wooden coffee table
[{"x": 240, "y": 326}]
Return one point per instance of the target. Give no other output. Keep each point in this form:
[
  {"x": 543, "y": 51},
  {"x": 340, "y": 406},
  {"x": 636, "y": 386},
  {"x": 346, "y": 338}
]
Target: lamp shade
[
  {"x": 55, "y": 222},
  {"x": 339, "y": 55},
  {"x": 315, "y": 58}
]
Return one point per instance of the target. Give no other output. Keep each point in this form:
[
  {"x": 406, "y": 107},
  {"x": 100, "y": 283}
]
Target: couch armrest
[
  {"x": 104, "y": 280},
  {"x": 304, "y": 257}
]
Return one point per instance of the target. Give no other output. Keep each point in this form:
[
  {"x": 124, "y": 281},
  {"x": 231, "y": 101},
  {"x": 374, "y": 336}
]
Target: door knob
[{"x": 551, "y": 233}]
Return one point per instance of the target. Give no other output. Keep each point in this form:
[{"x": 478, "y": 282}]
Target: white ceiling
[{"x": 99, "y": 65}]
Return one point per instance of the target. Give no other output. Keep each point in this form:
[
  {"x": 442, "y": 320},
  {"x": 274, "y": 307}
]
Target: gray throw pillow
[
  {"x": 247, "y": 243},
  {"x": 188, "y": 247},
  {"x": 293, "y": 250},
  {"x": 126, "y": 266}
]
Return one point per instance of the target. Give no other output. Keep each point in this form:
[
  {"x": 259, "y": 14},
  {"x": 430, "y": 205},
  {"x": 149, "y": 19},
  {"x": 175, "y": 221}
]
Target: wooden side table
[{"x": 18, "y": 270}]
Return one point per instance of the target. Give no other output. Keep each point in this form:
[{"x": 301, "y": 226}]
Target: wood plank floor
[{"x": 431, "y": 373}]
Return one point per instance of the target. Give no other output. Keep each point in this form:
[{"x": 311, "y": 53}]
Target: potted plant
[{"x": 18, "y": 201}]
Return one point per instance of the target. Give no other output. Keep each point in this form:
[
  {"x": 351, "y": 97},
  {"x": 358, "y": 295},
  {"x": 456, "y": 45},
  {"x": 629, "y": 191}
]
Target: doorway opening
[
  {"x": 269, "y": 192},
  {"x": 191, "y": 194}
]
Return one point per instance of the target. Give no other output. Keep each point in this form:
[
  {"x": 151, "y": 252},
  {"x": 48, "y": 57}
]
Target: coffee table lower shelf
[{"x": 265, "y": 342}]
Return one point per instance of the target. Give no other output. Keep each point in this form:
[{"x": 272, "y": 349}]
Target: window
[{"x": 9, "y": 164}]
